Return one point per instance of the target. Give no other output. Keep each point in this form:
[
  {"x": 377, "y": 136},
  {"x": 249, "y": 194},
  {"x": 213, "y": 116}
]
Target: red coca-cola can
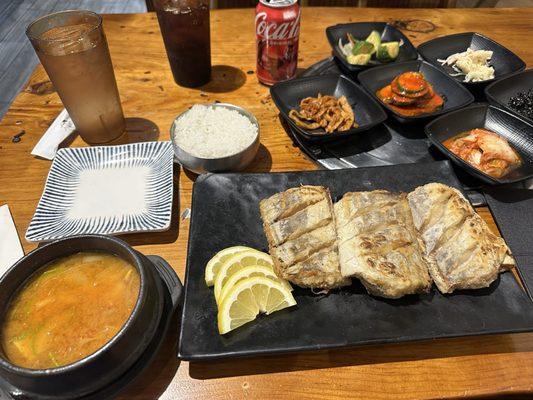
[{"x": 277, "y": 29}]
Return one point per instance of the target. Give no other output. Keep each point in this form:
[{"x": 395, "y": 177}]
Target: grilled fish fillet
[
  {"x": 462, "y": 252},
  {"x": 300, "y": 228},
  {"x": 378, "y": 244}
]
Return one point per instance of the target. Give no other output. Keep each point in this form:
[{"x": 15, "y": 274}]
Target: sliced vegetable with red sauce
[
  {"x": 399, "y": 89},
  {"x": 412, "y": 82},
  {"x": 434, "y": 103},
  {"x": 409, "y": 94},
  {"x": 429, "y": 94},
  {"x": 388, "y": 96},
  {"x": 402, "y": 100},
  {"x": 426, "y": 107}
]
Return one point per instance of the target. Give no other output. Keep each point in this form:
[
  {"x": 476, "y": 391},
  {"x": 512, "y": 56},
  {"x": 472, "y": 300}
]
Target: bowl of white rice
[{"x": 216, "y": 137}]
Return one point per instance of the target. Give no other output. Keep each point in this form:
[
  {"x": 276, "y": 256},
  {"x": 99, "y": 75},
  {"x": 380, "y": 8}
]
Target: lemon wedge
[
  {"x": 214, "y": 264},
  {"x": 247, "y": 272},
  {"x": 250, "y": 296},
  {"x": 238, "y": 261}
]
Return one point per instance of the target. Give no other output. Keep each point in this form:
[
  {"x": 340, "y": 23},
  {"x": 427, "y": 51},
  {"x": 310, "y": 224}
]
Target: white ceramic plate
[{"x": 106, "y": 190}]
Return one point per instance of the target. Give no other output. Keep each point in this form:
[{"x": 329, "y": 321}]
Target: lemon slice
[
  {"x": 238, "y": 261},
  {"x": 250, "y": 296},
  {"x": 247, "y": 272},
  {"x": 214, "y": 264}
]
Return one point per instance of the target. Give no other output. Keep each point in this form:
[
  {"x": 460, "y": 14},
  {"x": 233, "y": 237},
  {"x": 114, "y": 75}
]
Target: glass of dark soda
[{"x": 185, "y": 28}]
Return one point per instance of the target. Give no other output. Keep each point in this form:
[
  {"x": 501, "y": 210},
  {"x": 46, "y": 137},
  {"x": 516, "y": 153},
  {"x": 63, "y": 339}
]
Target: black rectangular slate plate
[
  {"x": 513, "y": 212},
  {"x": 500, "y": 92},
  {"x": 361, "y": 30},
  {"x": 455, "y": 95},
  {"x": 515, "y": 130},
  {"x": 287, "y": 95},
  {"x": 225, "y": 213},
  {"x": 504, "y": 61}
]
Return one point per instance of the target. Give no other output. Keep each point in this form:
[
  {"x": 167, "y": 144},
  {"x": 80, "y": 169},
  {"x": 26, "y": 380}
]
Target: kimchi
[{"x": 485, "y": 150}]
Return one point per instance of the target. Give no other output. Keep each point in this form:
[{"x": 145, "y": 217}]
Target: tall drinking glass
[
  {"x": 185, "y": 28},
  {"x": 73, "y": 50}
]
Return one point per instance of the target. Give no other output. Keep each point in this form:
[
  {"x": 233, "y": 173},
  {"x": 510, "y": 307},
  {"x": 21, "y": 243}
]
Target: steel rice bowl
[{"x": 233, "y": 162}]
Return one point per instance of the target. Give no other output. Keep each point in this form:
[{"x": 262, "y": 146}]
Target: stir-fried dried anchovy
[{"x": 326, "y": 112}]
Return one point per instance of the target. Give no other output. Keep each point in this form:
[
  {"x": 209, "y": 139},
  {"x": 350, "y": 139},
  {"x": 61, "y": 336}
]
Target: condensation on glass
[{"x": 73, "y": 50}]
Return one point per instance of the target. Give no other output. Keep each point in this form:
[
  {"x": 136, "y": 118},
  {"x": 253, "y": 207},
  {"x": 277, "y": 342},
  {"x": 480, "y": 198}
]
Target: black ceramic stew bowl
[
  {"x": 517, "y": 131},
  {"x": 288, "y": 94},
  {"x": 455, "y": 95},
  {"x": 361, "y": 30},
  {"x": 500, "y": 92},
  {"x": 114, "y": 358},
  {"x": 503, "y": 60}
]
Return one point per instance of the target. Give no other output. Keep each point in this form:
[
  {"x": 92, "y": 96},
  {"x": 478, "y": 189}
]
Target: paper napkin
[
  {"x": 10, "y": 248},
  {"x": 61, "y": 128}
]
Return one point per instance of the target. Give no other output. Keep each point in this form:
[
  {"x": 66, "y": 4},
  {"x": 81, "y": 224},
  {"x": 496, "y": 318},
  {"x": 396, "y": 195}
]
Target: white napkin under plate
[
  {"x": 10, "y": 248},
  {"x": 61, "y": 128}
]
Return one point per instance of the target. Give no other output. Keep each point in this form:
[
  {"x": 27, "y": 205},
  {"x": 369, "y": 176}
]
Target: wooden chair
[
  {"x": 233, "y": 3},
  {"x": 381, "y": 3},
  {"x": 411, "y": 3},
  {"x": 335, "y": 3}
]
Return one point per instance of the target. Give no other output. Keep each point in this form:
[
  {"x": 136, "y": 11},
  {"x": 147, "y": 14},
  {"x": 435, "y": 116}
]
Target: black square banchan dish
[
  {"x": 516, "y": 131},
  {"x": 503, "y": 60},
  {"x": 500, "y": 92},
  {"x": 367, "y": 111},
  {"x": 455, "y": 95},
  {"x": 361, "y": 30},
  {"x": 225, "y": 213}
]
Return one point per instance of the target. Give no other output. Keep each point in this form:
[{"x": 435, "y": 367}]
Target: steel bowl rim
[{"x": 241, "y": 110}]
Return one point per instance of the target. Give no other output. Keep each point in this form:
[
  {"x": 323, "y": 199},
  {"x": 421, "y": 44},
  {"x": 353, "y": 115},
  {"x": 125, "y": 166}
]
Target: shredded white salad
[{"x": 474, "y": 64}]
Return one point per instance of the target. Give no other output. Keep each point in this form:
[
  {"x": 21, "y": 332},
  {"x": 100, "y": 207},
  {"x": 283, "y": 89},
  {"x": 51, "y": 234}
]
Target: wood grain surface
[{"x": 464, "y": 367}]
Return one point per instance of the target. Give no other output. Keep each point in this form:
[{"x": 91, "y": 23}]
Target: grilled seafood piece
[
  {"x": 300, "y": 228},
  {"x": 462, "y": 252},
  {"x": 378, "y": 244}
]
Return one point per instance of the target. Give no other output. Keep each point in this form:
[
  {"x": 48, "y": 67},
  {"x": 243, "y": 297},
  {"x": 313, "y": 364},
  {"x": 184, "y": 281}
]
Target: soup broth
[{"x": 69, "y": 309}]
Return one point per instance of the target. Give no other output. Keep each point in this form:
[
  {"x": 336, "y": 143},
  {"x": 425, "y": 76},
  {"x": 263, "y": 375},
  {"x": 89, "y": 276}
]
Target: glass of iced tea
[
  {"x": 73, "y": 50},
  {"x": 185, "y": 28}
]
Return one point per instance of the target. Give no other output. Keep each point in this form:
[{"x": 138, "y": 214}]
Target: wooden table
[{"x": 466, "y": 367}]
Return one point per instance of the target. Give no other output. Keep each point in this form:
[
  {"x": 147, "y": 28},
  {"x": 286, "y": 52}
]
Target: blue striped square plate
[{"x": 106, "y": 190}]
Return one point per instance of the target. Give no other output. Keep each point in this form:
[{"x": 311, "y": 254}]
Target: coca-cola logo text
[{"x": 275, "y": 31}]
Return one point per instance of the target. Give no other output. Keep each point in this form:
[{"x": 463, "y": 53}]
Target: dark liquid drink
[
  {"x": 77, "y": 60},
  {"x": 185, "y": 28}
]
